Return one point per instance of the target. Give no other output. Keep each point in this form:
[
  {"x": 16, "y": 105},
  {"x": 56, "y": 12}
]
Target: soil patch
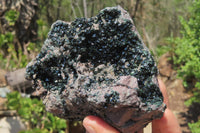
[{"x": 177, "y": 94}]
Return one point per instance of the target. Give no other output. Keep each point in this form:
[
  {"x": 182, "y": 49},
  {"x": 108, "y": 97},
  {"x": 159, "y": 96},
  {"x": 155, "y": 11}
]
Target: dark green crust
[{"x": 90, "y": 55}]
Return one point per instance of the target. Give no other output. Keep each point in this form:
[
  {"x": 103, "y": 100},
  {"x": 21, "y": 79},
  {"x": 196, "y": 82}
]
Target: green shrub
[
  {"x": 162, "y": 49},
  {"x": 9, "y": 57},
  {"x": 187, "y": 48},
  {"x": 195, "y": 127},
  {"x": 33, "y": 112},
  {"x": 187, "y": 55},
  {"x": 11, "y": 16},
  {"x": 12, "y": 58}
]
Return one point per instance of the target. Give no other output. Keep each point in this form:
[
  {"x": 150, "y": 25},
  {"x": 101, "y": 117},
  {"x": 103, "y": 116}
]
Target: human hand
[{"x": 167, "y": 124}]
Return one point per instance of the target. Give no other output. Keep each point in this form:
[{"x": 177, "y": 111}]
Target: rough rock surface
[{"x": 98, "y": 66}]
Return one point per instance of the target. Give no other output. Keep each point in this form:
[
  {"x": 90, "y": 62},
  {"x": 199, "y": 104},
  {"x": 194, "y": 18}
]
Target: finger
[
  {"x": 167, "y": 124},
  {"x": 95, "y": 124},
  {"x": 164, "y": 92}
]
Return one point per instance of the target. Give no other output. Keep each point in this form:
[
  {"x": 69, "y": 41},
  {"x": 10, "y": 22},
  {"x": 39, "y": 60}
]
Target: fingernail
[{"x": 89, "y": 129}]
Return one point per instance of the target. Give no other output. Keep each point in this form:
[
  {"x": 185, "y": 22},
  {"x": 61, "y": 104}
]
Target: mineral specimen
[{"x": 98, "y": 66}]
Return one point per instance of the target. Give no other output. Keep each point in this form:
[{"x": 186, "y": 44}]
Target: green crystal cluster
[{"x": 105, "y": 39}]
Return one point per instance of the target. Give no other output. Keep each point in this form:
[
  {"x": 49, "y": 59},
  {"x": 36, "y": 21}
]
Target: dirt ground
[{"x": 177, "y": 95}]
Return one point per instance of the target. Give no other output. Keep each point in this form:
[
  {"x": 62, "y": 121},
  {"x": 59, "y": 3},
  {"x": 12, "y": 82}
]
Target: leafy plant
[
  {"x": 33, "y": 112},
  {"x": 11, "y": 57},
  {"x": 11, "y": 16},
  {"x": 6, "y": 38},
  {"x": 162, "y": 49},
  {"x": 8, "y": 55},
  {"x": 187, "y": 55},
  {"x": 36, "y": 130},
  {"x": 195, "y": 127},
  {"x": 187, "y": 47},
  {"x": 43, "y": 29}
]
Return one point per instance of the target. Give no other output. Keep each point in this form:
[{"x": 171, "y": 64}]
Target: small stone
[{"x": 98, "y": 66}]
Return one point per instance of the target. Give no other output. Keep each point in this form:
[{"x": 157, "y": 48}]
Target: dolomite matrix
[{"x": 98, "y": 66}]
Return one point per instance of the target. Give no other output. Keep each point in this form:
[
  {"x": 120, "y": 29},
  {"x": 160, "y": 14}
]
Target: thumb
[{"x": 95, "y": 124}]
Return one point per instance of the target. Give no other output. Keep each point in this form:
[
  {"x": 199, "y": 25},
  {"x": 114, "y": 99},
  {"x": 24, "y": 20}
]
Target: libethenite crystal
[{"x": 98, "y": 66}]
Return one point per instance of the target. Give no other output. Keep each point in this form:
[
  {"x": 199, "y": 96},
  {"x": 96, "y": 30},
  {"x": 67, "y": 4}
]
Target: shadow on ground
[{"x": 193, "y": 113}]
